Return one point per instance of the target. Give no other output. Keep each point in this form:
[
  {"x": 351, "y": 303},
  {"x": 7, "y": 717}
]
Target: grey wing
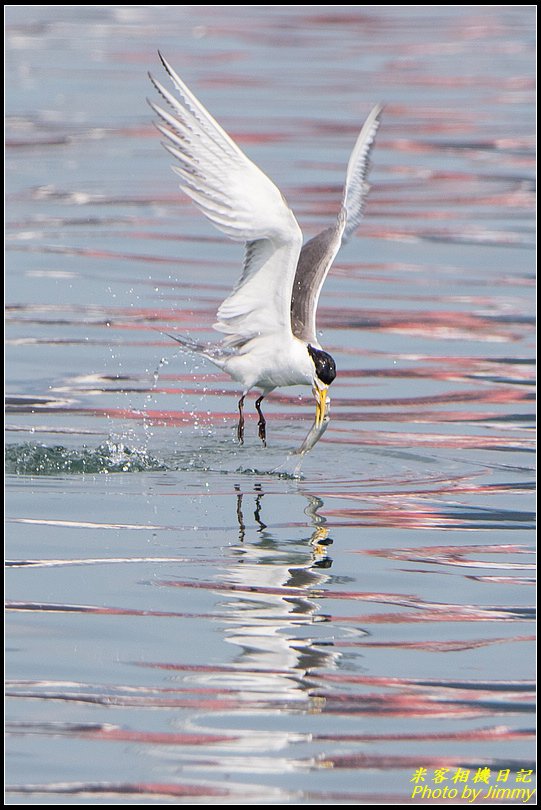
[
  {"x": 315, "y": 261},
  {"x": 318, "y": 254},
  {"x": 356, "y": 187}
]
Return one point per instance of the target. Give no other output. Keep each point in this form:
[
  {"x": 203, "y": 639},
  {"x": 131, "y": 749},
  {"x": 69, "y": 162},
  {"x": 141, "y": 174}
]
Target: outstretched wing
[
  {"x": 318, "y": 254},
  {"x": 241, "y": 201}
]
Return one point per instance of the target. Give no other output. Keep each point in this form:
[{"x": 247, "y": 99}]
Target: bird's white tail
[{"x": 216, "y": 354}]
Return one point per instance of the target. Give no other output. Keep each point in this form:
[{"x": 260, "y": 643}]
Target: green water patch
[{"x": 110, "y": 457}]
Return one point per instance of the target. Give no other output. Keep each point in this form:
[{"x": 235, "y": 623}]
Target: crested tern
[{"x": 269, "y": 318}]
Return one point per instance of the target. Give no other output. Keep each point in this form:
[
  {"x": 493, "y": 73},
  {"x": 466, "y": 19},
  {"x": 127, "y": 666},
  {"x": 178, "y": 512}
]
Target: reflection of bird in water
[
  {"x": 320, "y": 536},
  {"x": 269, "y": 319},
  {"x": 257, "y": 513},
  {"x": 274, "y": 614}
]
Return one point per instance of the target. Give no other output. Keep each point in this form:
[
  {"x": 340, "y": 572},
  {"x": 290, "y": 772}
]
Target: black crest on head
[{"x": 325, "y": 365}]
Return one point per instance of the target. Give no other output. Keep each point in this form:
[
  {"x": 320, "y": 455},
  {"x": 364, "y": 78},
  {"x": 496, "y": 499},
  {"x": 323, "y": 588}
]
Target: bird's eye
[{"x": 324, "y": 363}]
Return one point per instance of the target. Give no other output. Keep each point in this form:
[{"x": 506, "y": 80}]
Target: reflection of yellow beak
[{"x": 321, "y": 402}]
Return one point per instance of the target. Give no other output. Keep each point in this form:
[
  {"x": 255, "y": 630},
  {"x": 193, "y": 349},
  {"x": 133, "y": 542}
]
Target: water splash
[
  {"x": 164, "y": 361},
  {"x": 109, "y": 457}
]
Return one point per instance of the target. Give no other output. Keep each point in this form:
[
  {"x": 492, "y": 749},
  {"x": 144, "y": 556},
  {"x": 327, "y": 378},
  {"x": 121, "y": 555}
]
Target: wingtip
[
  {"x": 166, "y": 64},
  {"x": 376, "y": 111},
  {"x": 154, "y": 81},
  {"x": 173, "y": 75},
  {"x": 153, "y": 106}
]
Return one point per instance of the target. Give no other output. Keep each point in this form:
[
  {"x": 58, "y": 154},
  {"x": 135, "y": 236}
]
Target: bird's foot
[
  {"x": 240, "y": 426},
  {"x": 262, "y": 432},
  {"x": 261, "y": 425},
  {"x": 240, "y": 431}
]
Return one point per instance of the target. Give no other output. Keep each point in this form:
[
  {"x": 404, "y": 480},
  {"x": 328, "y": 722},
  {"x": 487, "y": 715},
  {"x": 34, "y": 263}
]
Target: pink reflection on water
[{"x": 458, "y": 555}]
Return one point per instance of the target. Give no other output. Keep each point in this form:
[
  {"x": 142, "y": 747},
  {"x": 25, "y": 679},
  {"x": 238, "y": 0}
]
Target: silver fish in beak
[{"x": 321, "y": 422}]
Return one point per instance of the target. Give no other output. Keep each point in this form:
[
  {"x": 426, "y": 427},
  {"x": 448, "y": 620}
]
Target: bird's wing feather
[
  {"x": 241, "y": 201},
  {"x": 356, "y": 187},
  {"x": 315, "y": 260},
  {"x": 318, "y": 254}
]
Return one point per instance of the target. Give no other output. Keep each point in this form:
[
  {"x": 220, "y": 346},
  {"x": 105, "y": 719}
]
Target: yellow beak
[{"x": 321, "y": 404}]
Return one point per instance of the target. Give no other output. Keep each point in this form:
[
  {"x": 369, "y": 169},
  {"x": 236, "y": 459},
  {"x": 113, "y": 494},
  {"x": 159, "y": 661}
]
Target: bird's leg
[
  {"x": 262, "y": 423},
  {"x": 240, "y": 426},
  {"x": 240, "y": 518}
]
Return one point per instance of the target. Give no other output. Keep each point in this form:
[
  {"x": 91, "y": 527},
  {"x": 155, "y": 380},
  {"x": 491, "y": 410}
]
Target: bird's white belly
[{"x": 267, "y": 363}]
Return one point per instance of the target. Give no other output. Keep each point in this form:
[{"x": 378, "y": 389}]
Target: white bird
[{"x": 269, "y": 318}]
